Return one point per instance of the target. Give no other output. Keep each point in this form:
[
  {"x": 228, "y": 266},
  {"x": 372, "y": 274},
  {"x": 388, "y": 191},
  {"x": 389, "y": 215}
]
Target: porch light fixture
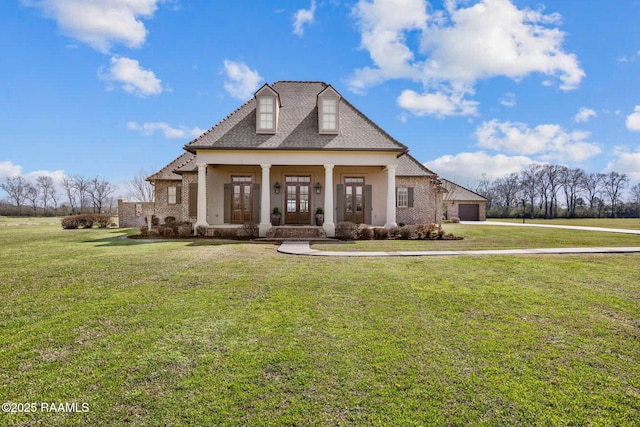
[
  {"x": 276, "y": 187},
  {"x": 318, "y": 188}
]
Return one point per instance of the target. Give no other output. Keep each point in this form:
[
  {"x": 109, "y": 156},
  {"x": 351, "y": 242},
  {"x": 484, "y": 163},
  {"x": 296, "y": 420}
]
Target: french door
[
  {"x": 241, "y": 199},
  {"x": 354, "y": 199},
  {"x": 298, "y": 192}
]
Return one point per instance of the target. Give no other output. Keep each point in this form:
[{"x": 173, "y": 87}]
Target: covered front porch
[{"x": 360, "y": 192}]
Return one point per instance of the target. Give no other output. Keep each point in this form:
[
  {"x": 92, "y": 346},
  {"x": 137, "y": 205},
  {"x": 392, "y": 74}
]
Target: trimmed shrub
[
  {"x": 103, "y": 220},
  {"x": 85, "y": 221},
  {"x": 167, "y": 232},
  {"x": 405, "y": 233},
  {"x": 380, "y": 233},
  {"x": 185, "y": 230},
  {"x": 346, "y": 230},
  {"x": 69, "y": 222},
  {"x": 364, "y": 233},
  {"x": 394, "y": 232},
  {"x": 455, "y": 220},
  {"x": 249, "y": 231}
]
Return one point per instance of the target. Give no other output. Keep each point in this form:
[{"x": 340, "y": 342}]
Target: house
[
  {"x": 463, "y": 203},
  {"x": 296, "y": 146}
]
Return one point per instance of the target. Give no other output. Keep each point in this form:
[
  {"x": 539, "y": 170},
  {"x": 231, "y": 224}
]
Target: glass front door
[
  {"x": 354, "y": 200},
  {"x": 298, "y": 200},
  {"x": 241, "y": 199}
]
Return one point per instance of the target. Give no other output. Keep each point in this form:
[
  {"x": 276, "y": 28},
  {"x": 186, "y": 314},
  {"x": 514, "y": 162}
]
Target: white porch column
[
  {"x": 202, "y": 196},
  {"x": 329, "y": 226},
  {"x": 391, "y": 196},
  {"x": 265, "y": 201}
]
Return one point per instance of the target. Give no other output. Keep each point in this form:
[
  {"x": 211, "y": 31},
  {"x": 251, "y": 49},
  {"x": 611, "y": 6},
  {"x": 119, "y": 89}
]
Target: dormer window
[
  {"x": 328, "y": 113},
  {"x": 266, "y": 114},
  {"x": 267, "y": 107}
]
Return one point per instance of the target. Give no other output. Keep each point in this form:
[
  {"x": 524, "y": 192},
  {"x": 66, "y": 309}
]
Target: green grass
[
  {"x": 207, "y": 333},
  {"x": 478, "y": 237},
  {"x": 629, "y": 223}
]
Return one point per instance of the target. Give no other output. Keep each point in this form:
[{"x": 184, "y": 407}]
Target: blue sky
[{"x": 110, "y": 87}]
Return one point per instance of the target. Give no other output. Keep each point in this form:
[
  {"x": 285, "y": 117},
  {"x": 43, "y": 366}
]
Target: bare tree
[
  {"x": 139, "y": 189},
  {"x": 82, "y": 186},
  {"x": 571, "y": 180},
  {"x": 47, "y": 191},
  {"x": 635, "y": 194},
  {"x": 72, "y": 193},
  {"x": 100, "y": 190},
  {"x": 485, "y": 189},
  {"x": 592, "y": 185},
  {"x": 16, "y": 188},
  {"x": 32, "y": 195},
  {"x": 506, "y": 189},
  {"x": 614, "y": 183},
  {"x": 551, "y": 178},
  {"x": 530, "y": 176}
]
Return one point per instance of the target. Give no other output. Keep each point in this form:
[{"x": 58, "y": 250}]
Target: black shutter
[
  {"x": 193, "y": 199},
  {"x": 256, "y": 199},
  {"x": 339, "y": 203},
  {"x": 179, "y": 195},
  {"x": 410, "y": 197},
  {"x": 227, "y": 203},
  {"x": 368, "y": 204}
]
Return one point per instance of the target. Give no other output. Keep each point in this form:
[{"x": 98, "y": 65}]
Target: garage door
[{"x": 469, "y": 212}]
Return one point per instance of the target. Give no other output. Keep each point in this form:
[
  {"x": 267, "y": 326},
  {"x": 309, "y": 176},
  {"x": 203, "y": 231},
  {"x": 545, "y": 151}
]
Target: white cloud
[
  {"x": 628, "y": 163},
  {"x": 242, "y": 81},
  {"x": 437, "y": 104},
  {"x": 383, "y": 25},
  {"x": 132, "y": 78},
  {"x": 100, "y": 23},
  {"x": 9, "y": 170},
  {"x": 302, "y": 17},
  {"x": 461, "y": 45},
  {"x": 547, "y": 141},
  {"x": 585, "y": 114},
  {"x": 472, "y": 166},
  {"x": 633, "y": 119},
  {"x": 149, "y": 128}
]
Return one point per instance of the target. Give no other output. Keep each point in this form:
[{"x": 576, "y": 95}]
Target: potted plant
[
  {"x": 319, "y": 217},
  {"x": 275, "y": 217}
]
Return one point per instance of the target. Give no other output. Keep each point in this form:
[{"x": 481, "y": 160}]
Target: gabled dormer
[
  {"x": 267, "y": 110},
  {"x": 328, "y": 111}
]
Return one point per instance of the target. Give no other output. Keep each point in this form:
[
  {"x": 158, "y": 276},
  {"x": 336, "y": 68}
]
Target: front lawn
[
  {"x": 629, "y": 223},
  {"x": 479, "y": 237},
  {"x": 208, "y": 333}
]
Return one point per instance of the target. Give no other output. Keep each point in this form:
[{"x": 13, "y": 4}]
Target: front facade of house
[{"x": 297, "y": 147}]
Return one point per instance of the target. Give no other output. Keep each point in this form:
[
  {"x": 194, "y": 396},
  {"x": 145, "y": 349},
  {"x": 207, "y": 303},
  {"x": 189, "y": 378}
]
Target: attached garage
[
  {"x": 469, "y": 212},
  {"x": 463, "y": 203}
]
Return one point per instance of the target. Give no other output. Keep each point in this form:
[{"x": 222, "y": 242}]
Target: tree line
[
  {"x": 76, "y": 195},
  {"x": 551, "y": 191}
]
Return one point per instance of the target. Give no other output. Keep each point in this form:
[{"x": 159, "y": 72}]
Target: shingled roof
[
  {"x": 409, "y": 166},
  {"x": 297, "y": 126},
  {"x": 184, "y": 163}
]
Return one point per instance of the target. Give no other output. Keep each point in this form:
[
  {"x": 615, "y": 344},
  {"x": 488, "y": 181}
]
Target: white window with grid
[
  {"x": 402, "y": 197},
  {"x": 266, "y": 113}
]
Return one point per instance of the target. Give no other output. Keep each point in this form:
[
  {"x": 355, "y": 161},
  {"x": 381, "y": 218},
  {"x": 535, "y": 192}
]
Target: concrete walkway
[{"x": 303, "y": 248}]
